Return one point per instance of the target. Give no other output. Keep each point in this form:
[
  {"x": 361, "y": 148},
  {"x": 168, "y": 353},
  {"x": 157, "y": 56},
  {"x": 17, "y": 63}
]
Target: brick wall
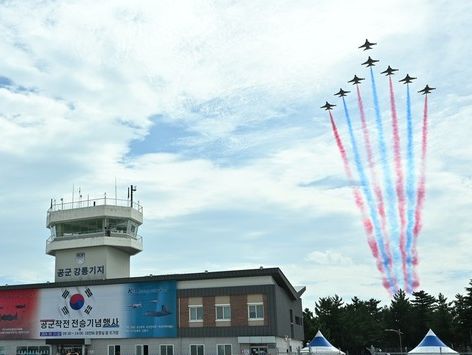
[
  {"x": 266, "y": 310},
  {"x": 183, "y": 310},
  {"x": 239, "y": 316},
  {"x": 209, "y": 311},
  {"x": 239, "y": 310}
]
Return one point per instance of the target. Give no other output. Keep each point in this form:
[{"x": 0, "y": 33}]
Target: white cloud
[
  {"x": 241, "y": 77},
  {"x": 328, "y": 257}
]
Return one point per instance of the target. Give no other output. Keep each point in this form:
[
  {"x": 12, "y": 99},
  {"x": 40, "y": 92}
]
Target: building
[{"x": 95, "y": 307}]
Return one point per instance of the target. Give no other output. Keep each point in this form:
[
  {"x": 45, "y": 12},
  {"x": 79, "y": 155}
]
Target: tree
[
  {"x": 463, "y": 317},
  {"x": 423, "y": 306},
  {"x": 355, "y": 326},
  {"x": 362, "y": 320},
  {"x": 310, "y": 325},
  {"x": 442, "y": 319},
  {"x": 329, "y": 311},
  {"x": 399, "y": 317}
]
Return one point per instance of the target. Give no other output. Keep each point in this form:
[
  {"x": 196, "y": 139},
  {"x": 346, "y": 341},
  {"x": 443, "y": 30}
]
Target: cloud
[
  {"x": 212, "y": 109},
  {"x": 328, "y": 257}
]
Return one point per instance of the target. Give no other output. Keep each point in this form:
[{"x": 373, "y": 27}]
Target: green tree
[
  {"x": 310, "y": 325},
  {"x": 423, "y": 307},
  {"x": 463, "y": 318},
  {"x": 362, "y": 320},
  {"x": 399, "y": 317},
  {"x": 329, "y": 312},
  {"x": 442, "y": 321}
]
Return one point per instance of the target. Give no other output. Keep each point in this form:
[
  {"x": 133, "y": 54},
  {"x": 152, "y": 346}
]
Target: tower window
[{"x": 85, "y": 226}]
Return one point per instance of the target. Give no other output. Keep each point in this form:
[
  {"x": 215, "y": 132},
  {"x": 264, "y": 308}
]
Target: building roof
[{"x": 275, "y": 273}]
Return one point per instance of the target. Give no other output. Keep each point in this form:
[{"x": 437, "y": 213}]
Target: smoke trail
[
  {"x": 399, "y": 180},
  {"x": 410, "y": 190},
  {"x": 421, "y": 193},
  {"x": 390, "y": 193},
  {"x": 368, "y": 195},
  {"x": 375, "y": 180},
  {"x": 359, "y": 202}
]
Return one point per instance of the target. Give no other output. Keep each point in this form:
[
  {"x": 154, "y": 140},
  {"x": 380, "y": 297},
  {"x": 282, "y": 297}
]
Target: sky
[{"x": 212, "y": 109}]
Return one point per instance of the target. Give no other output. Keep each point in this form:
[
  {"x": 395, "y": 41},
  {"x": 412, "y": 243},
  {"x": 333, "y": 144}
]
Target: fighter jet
[
  {"x": 367, "y": 45},
  {"x": 327, "y": 106},
  {"x": 341, "y": 93},
  {"x": 407, "y": 79},
  {"x": 426, "y": 90},
  {"x": 389, "y": 71},
  {"x": 370, "y": 62},
  {"x": 135, "y": 305},
  {"x": 163, "y": 312},
  {"x": 9, "y": 317},
  {"x": 355, "y": 80}
]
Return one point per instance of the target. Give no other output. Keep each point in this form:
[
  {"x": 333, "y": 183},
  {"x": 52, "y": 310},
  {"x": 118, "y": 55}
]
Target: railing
[
  {"x": 53, "y": 238},
  {"x": 105, "y": 201}
]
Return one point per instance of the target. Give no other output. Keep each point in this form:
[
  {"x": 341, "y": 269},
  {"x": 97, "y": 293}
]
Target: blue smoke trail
[
  {"x": 391, "y": 205},
  {"x": 369, "y": 198},
  {"x": 410, "y": 188}
]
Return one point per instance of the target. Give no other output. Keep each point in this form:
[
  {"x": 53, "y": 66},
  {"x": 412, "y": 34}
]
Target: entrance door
[
  {"x": 258, "y": 349},
  {"x": 69, "y": 349}
]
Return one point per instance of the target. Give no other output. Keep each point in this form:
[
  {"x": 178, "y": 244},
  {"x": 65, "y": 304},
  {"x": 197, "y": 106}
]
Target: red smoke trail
[
  {"x": 375, "y": 180},
  {"x": 399, "y": 182},
  {"x": 421, "y": 192},
  {"x": 360, "y": 204}
]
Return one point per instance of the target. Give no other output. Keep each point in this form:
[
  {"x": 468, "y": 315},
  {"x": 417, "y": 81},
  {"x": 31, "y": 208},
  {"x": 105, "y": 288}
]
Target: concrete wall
[
  {"x": 284, "y": 304},
  {"x": 116, "y": 263}
]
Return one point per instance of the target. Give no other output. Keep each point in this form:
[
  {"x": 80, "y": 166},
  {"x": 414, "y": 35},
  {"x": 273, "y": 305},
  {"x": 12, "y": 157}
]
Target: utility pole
[{"x": 398, "y": 331}]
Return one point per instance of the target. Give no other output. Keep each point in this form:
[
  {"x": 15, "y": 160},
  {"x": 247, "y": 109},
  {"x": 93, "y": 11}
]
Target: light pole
[{"x": 398, "y": 331}]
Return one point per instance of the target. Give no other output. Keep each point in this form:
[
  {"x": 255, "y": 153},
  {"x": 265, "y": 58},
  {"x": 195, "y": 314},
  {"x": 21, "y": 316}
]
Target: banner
[{"x": 133, "y": 310}]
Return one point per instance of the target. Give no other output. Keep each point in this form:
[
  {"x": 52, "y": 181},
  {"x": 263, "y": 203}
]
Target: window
[
  {"x": 118, "y": 225},
  {"x": 85, "y": 226},
  {"x": 197, "y": 350},
  {"x": 223, "y": 349},
  {"x": 113, "y": 350},
  {"x": 195, "y": 313},
  {"x": 255, "y": 311},
  {"x": 133, "y": 228},
  {"x": 142, "y": 350},
  {"x": 223, "y": 312},
  {"x": 167, "y": 349}
]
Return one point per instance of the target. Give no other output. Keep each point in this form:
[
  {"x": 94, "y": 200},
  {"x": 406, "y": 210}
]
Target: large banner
[{"x": 134, "y": 310}]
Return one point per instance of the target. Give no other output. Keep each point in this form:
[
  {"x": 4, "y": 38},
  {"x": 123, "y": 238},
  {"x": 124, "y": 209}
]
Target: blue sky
[{"x": 212, "y": 110}]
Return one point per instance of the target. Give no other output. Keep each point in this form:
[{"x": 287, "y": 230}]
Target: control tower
[{"x": 94, "y": 239}]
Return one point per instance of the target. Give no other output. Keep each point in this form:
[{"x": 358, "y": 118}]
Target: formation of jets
[{"x": 388, "y": 72}]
